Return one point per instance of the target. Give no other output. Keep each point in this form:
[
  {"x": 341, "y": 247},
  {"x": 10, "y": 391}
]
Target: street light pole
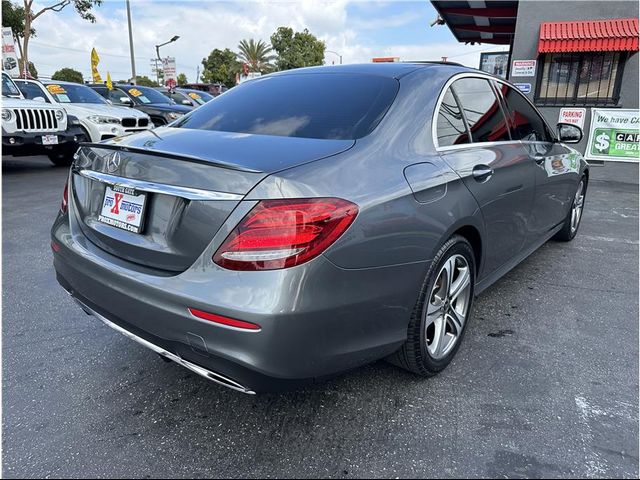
[
  {"x": 133, "y": 59},
  {"x": 173, "y": 39},
  {"x": 335, "y": 53}
]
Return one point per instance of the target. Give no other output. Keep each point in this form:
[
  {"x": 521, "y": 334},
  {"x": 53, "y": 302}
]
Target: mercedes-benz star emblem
[{"x": 114, "y": 162}]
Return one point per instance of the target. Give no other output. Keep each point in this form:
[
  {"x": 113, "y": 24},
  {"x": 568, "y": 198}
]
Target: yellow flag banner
[
  {"x": 109, "y": 83},
  {"x": 95, "y": 59}
]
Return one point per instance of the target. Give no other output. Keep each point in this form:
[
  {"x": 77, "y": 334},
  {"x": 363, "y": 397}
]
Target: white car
[
  {"x": 34, "y": 128},
  {"x": 97, "y": 116}
]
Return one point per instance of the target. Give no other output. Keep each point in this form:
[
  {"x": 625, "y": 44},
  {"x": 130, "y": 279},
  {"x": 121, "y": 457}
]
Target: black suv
[{"x": 160, "y": 108}]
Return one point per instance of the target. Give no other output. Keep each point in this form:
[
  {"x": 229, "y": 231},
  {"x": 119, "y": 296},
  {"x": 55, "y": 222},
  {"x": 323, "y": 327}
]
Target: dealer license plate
[
  {"x": 49, "y": 139},
  {"x": 123, "y": 207}
]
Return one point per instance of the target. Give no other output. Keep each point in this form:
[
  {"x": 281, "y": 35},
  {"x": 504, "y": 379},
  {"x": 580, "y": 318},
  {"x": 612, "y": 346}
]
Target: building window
[{"x": 590, "y": 78}]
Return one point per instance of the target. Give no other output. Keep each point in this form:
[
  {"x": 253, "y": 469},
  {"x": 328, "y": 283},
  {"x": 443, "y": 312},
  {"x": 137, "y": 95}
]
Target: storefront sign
[
  {"x": 9, "y": 57},
  {"x": 614, "y": 135},
  {"x": 523, "y": 87},
  {"x": 524, "y": 68},
  {"x": 574, "y": 116}
]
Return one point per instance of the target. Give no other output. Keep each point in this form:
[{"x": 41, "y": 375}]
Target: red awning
[{"x": 619, "y": 34}]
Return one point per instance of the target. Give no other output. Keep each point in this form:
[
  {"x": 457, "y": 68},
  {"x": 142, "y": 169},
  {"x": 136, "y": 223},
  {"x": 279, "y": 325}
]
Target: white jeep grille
[{"x": 35, "y": 120}]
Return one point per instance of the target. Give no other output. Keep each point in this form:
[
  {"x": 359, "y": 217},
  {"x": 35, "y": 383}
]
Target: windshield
[
  {"x": 200, "y": 97},
  {"x": 9, "y": 88},
  {"x": 31, "y": 90},
  {"x": 74, "y": 93},
  {"x": 144, "y": 95},
  {"x": 323, "y": 106}
]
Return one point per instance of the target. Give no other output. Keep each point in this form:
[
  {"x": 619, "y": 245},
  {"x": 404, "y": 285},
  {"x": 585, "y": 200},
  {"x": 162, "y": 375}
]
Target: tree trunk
[{"x": 25, "y": 39}]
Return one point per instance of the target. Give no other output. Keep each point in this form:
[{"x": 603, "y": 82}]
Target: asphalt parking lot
[{"x": 544, "y": 385}]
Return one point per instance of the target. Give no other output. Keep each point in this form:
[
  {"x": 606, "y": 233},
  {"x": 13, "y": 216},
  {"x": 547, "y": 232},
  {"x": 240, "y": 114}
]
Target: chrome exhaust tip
[{"x": 203, "y": 372}]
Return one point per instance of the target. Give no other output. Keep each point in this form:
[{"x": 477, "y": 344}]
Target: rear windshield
[{"x": 323, "y": 106}]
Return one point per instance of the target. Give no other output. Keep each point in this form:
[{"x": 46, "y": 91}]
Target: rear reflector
[
  {"x": 229, "y": 322},
  {"x": 55, "y": 247},
  {"x": 65, "y": 198},
  {"x": 279, "y": 234}
]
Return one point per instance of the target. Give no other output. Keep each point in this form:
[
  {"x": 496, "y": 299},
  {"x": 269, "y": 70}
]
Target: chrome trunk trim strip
[{"x": 162, "y": 188}]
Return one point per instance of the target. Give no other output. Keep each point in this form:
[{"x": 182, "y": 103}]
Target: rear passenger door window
[
  {"x": 482, "y": 110},
  {"x": 450, "y": 126},
  {"x": 526, "y": 124}
]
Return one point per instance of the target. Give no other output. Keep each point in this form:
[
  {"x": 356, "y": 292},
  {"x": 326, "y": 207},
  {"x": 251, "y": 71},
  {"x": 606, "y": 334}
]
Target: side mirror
[
  {"x": 569, "y": 133},
  {"x": 188, "y": 103},
  {"x": 39, "y": 99},
  {"x": 126, "y": 101}
]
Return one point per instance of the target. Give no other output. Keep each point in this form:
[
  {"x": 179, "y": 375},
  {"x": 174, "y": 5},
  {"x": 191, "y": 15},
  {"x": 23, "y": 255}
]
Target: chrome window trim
[
  {"x": 458, "y": 76},
  {"x": 162, "y": 188}
]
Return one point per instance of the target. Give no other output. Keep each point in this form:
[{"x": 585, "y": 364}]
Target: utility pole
[
  {"x": 198, "y": 74},
  {"x": 133, "y": 58}
]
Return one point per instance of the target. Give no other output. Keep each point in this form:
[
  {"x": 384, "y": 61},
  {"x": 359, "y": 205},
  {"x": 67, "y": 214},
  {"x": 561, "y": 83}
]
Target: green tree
[
  {"x": 32, "y": 68},
  {"x": 145, "y": 81},
  {"x": 182, "y": 79},
  {"x": 82, "y": 7},
  {"x": 13, "y": 16},
  {"x": 221, "y": 66},
  {"x": 295, "y": 50},
  {"x": 257, "y": 55},
  {"x": 68, "y": 75}
]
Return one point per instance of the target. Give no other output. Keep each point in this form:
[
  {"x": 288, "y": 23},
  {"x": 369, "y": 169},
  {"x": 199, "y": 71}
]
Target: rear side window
[
  {"x": 450, "y": 126},
  {"x": 482, "y": 110},
  {"x": 526, "y": 124},
  {"x": 323, "y": 106}
]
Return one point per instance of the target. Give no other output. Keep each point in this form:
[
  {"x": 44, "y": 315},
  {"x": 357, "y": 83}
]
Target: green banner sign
[{"x": 614, "y": 135}]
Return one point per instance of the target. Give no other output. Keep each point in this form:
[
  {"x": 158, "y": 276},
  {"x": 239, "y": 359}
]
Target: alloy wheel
[{"x": 447, "y": 307}]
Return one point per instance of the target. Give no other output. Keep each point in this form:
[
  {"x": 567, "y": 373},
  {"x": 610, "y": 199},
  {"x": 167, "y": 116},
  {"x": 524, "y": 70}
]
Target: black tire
[
  {"x": 414, "y": 354},
  {"x": 567, "y": 233},
  {"x": 61, "y": 158}
]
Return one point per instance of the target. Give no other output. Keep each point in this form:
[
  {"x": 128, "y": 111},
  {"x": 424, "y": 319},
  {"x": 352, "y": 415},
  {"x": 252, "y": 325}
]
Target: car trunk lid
[{"x": 192, "y": 181}]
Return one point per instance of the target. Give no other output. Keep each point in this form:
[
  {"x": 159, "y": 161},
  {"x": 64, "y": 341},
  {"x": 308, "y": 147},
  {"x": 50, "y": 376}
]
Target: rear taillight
[
  {"x": 284, "y": 233},
  {"x": 65, "y": 198}
]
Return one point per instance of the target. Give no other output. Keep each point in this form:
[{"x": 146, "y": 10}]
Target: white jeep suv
[
  {"x": 35, "y": 128},
  {"x": 97, "y": 116}
]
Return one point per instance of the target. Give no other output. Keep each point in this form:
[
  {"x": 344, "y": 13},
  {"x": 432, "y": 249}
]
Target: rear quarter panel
[{"x": 395, "y": 224}]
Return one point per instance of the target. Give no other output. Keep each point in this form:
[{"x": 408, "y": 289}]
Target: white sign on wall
[
  {"x": 574, "y": 116},
  {"x": 524, "y": 68},
  {"x": 614, "y": 134},
  {"x": 9, "y": 57}
]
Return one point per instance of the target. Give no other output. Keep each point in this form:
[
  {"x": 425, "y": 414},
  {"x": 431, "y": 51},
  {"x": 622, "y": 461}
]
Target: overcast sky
[{"x": 359, "y": 30}]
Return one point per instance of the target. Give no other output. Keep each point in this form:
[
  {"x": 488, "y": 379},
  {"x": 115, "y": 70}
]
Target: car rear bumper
[{"x": 316, "y": 319}]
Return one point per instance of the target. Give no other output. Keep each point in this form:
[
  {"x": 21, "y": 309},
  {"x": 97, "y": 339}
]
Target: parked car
[
  {"x": 99, "y": 119},
  {"x": 161, "y": 110},
  {"x": 35, "y": 128},
  {"x": 300, "y": 235},
  {"x": 214, "y": 89},
  {"x": 187, "y": 97}
]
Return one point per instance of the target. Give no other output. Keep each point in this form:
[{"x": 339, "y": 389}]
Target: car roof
[{"x": 385, "y": 69}]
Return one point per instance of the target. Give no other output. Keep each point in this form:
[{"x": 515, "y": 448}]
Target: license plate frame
[
  {"x": 131, "y": 198},
  {"x": 50, "y": 140}
]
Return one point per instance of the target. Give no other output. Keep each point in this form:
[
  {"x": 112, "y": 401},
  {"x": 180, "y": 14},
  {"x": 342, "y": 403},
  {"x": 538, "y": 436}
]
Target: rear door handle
[{"x": 482, "y": 173}]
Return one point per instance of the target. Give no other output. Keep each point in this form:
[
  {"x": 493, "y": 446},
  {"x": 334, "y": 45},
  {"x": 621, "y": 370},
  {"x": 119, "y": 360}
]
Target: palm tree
[{"x": 256, "y": 55}]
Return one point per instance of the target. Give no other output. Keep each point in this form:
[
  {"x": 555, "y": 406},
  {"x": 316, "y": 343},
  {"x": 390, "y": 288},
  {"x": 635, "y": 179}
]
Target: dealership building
[{"x": 577, "y": 61}]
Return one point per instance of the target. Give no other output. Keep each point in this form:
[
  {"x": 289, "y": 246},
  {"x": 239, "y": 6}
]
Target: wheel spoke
[
  {"x": 456, "y": 320},
  {"x": 461, "y": 283},
  {"x": 441, "y": 336}
]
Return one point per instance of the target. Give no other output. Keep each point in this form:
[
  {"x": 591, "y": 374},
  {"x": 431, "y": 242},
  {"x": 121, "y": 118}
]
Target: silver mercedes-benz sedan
[{"x": 311, "y": 221}]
